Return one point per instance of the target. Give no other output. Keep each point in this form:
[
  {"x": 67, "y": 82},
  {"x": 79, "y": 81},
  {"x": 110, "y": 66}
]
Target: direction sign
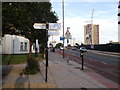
[
  {"x": 39, "y": 26},
  {"x": 53, "y": 33},
  {"x": 54, "y": 26}
]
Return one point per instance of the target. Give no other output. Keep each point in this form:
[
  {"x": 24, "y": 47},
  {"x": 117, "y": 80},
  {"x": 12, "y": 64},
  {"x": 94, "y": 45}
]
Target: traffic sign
[
  {"x": 54, "y": 26},
  {"x": 53, "y": 33},
  {"x": 39, "y": 25},
  {"x": 67, "y": 34},
  {"x": 62, "y": 38}
]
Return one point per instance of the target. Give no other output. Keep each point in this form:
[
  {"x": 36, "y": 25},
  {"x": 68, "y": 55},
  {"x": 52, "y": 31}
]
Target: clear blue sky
[{"x": 76, "y": 13}]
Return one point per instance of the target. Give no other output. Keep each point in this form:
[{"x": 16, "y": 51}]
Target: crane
[
  {"x": 92, "y": 26},
  {"x": 92, "y": 16}
]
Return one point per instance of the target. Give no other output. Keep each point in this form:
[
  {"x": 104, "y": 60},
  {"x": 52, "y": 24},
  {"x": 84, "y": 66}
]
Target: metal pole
[
  {"x": 63, "y": 25},
  {"x": 46, "y": 51},
  {"x": 82, "y": 62}
]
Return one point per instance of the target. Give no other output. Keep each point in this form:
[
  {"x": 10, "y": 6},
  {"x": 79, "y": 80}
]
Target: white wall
[
  {"x": 17, "y": 44},
  {"x": 11, "y": 44},
  {"x": 7, "y": 44}
]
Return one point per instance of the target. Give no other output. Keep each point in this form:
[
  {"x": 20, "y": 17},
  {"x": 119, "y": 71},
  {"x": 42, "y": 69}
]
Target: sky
[{"x": 78, "y": 13}]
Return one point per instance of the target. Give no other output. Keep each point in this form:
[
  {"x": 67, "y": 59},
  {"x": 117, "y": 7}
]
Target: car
[
  {"x": 74, "y": 48},
  {"x": 61, "y": 48},
  {"x": 83, "y": 49}
]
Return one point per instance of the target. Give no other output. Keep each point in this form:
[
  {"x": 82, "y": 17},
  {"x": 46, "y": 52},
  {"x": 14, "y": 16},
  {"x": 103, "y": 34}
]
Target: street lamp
[{"x": 63, "y": 25}]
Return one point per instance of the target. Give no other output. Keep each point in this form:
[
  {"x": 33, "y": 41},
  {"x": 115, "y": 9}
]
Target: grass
[{"x": 18, "y": 59}]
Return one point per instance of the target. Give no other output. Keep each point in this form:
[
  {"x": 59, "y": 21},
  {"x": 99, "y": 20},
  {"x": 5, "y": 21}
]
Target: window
[
  {"x": 33, "y": 46},
  {"x": 25, "y": 46},
  {"x": 21, "y": 46}
]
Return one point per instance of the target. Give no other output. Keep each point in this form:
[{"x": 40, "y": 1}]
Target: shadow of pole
[
  {"x": 6, "y": 69},
  {"x": 22, "y": 81}
]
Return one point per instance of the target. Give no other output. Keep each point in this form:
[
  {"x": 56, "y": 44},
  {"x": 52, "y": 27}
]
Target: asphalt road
[
  {"x": 103, "y": 63},
  {"x": 106, "y": 58}
]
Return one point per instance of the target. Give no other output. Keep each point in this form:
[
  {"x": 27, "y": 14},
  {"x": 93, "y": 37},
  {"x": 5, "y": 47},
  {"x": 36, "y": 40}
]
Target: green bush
[{"x": 32, "y": 66}]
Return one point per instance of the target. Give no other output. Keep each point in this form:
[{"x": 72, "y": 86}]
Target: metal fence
[{"x": 104, "y": 47}]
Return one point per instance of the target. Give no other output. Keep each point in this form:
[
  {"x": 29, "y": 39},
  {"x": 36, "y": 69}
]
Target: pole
[
  {"x": 81, "y": 54},
  {"x": 82, "y": 62},
  {"x": 63, "y": 25},
  {"x": 47, "y": 25}
]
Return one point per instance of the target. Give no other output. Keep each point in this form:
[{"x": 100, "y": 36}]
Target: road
[
  {"x": 98, "y": 56},
  {"x": 104, "y": 63}
]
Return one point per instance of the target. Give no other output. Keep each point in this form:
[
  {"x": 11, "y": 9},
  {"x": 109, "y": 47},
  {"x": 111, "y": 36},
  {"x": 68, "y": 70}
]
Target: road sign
[
  {"x": 54, "y": 26},
  {"x": 53, "y": 33},
  {"x": 39, "y": 26},
  {"x": 67, "y": 34},
  {"x": 62, "y": 38}
]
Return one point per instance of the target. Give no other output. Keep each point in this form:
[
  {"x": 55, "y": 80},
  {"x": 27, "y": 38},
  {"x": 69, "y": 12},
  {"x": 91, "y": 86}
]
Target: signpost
[
  {"x": 47, "y": 26},
  {"x": 68, "y": 36}
]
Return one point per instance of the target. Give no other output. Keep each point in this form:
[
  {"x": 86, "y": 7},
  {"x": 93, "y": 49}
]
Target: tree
[
  {"x": 58, "y": 45},
  {"x": 18, "y": 18}
]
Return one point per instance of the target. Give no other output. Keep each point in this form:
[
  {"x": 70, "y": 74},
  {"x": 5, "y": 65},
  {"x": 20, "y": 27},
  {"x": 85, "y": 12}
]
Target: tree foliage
[
  {"x": 19, "y": 17},
  {"x": 58, "y": 45}
]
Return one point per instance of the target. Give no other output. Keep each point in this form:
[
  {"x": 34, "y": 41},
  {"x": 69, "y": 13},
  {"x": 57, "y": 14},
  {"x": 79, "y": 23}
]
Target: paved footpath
[{"x": 60, "y": 75}]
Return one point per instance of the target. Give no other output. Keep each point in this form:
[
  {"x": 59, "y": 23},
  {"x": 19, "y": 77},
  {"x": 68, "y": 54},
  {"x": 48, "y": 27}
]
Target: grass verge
[{"x": 18, "y": 59}]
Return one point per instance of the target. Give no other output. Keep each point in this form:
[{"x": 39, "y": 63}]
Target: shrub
[{"x": 32, "y": 66}]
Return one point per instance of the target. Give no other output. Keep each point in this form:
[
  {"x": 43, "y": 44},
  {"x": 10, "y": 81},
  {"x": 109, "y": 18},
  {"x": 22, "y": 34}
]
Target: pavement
[{"x": 60, "y": 75}]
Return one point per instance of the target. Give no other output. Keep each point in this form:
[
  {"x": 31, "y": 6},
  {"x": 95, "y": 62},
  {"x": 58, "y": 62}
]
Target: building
[
  {"x": 119, "y": 12},
  {"x": 91, "y": 36},
  {"x": 119, "y": 20},
  {"x": 13, "y": 44}
]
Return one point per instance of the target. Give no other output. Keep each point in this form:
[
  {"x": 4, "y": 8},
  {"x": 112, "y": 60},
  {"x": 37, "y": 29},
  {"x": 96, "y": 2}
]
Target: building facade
[
  {"x": 91, "y": 34},
  {"x": 13, "y": 44},
  {"x": 119, "y": 21}
]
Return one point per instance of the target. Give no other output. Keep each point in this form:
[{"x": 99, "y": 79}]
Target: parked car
[
  {"x": 61, "y": 48},
  {"x": 83, "y": 49},
  {"x": 74, "y": 48}
]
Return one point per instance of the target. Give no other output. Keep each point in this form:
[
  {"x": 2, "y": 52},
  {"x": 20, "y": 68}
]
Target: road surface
[{"x": 104, "y": 63}]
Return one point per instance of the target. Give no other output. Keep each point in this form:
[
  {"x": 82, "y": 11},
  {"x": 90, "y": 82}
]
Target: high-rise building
[
  {"x": 91, "y": 34},
  {"x": 119, "y": 14},
  {"x": 119, "y": 21}
]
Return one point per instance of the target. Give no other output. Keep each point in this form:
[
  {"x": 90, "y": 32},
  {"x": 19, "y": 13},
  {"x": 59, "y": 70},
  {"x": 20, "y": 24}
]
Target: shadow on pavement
[
  {"x": 6, "y": 69},
  {"x": 22, "y": 81}
]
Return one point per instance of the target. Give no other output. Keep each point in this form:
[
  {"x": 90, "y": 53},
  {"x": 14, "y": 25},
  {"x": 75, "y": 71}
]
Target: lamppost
[{"x": 63, "y": 25}]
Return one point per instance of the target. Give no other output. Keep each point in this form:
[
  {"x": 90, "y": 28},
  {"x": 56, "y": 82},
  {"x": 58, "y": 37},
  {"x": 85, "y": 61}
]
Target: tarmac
[{"x": 60, "y": 75}]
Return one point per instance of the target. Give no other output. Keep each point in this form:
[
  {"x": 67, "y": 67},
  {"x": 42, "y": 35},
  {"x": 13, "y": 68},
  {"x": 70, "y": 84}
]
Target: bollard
[{"x": 81, "y": 54}]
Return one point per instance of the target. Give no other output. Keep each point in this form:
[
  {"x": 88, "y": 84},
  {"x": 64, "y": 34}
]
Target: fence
[{"x": 104, "y": 47}]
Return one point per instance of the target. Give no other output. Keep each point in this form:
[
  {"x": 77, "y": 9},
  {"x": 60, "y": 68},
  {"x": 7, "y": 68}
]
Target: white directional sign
[
  {"x": 54, "y": 26},
  {"x": 39, "y": 26},
  {"x": 53, "y": 33}
]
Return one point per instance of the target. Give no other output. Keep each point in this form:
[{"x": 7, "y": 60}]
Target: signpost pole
[{"x": 47, "y": 25}]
